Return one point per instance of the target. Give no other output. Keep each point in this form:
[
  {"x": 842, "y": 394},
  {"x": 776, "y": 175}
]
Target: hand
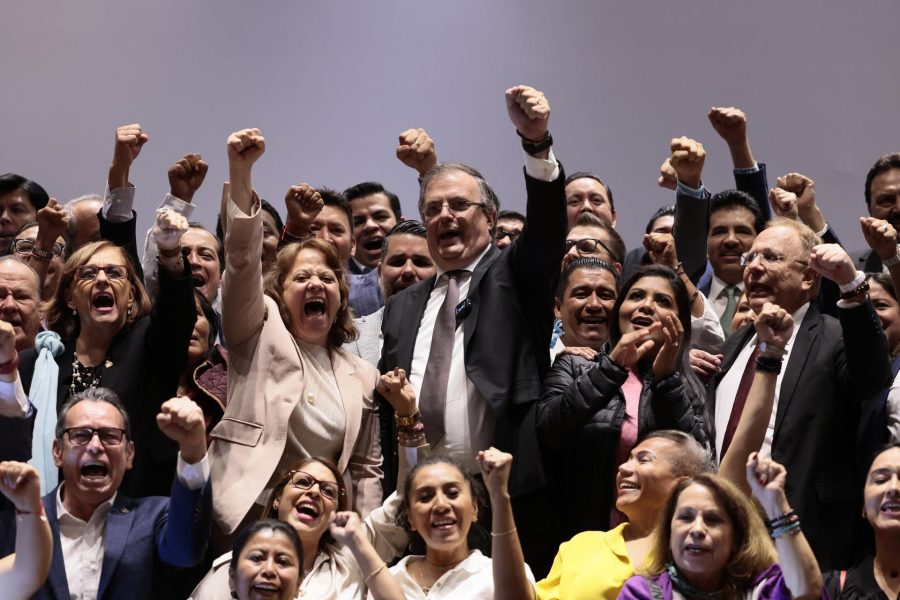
[
  {"x": 529, "y": 111},
  {"x": 169, "y": 228},
  {"x": 21, "y": 483},
  {"x": 584, "y": 352},
  {"x": 668, "y": 178},
  {"x": 766, "y": 478},
  {"x": 633, "y": 346},
  {"x": 129, "y": 141},
  {"x": 495, "y": 467},
  {"x": 704, "y": 364},
  {"x": 7, "y": 342},
  {"x": 805, "y": 190},
  {"x": 304, "y": 204},
  {"x": 186, "y": 176},
  {"x": 687, "y": 159},
  {"x": 833, "y": 262},
  {"x": 181, "y": 420},
  {"x": 345, "y": 527},
  {"x": 53, "y": 221},
  {"x": 417, "y": 150},
  {"x": 774, "y": 325},
  {"x": 784, "y": 203},
  {"x": 730, "y": 123},
  {"x": 244, "y": 148},
  {"x": 880, "y": 236},
  {"x": 398, "y": 391},
  {"x": 666, "y": 361},
  {"x": 661, "y": 248}
]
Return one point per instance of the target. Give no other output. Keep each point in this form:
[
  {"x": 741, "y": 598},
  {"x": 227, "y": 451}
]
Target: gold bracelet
[
  {"x": 407, "y": 421},
  {"x": 502, "y": 533},
  {"x": 374, "y": 573}
]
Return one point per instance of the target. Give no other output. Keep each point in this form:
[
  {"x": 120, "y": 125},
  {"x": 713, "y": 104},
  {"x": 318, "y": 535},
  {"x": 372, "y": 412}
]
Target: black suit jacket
[
  {"x": 834, "y": 365},
  {"x": 507, "y": 333}
]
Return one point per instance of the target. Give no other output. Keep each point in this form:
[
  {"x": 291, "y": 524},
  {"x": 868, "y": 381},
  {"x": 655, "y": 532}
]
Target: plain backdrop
[{"x": 332, "y": 84}]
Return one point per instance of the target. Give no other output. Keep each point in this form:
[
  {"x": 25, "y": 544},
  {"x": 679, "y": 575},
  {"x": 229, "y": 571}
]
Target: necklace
[
  {"x": 85, "y": 378},
  {"x": 426, "y": 576}
]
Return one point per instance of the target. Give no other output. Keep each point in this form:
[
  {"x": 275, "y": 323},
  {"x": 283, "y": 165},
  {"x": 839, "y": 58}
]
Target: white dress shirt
[
  {"x": 82, "y": 542},
  {"x": 893, "y": 410},
  {"x": 717, "y": 294},
  {"x": 728, "y": 387}
]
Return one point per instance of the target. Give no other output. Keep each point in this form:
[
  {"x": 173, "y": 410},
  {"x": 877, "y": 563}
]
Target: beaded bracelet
[
  {"x": 791, "y": 528},
  {"x": 769, "y": 364},
  {"x": 788, "y": 517}
]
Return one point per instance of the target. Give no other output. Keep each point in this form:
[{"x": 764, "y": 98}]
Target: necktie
[
  {"x": 437, "y": 370},
  {"x": 731, "y": 293},
  {"x": 739, "y": 400}
]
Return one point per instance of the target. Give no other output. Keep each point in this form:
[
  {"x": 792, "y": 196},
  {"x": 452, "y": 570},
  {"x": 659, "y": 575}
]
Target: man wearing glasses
[
  {"x": 109, "y": 543},
  {"x": 825, "y": 371}
]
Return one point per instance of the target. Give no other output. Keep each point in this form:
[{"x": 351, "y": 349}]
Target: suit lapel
[
  {"x": 118, "y": 528},
  {"x": 349, "y": 386},
  {"x": 56, "y": 580},
  {"x": 800, "y": 353},
  {"x": 486, "y": 261}
]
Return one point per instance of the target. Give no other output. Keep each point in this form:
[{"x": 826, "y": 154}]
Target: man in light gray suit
[{"x": 404, "y": 261}]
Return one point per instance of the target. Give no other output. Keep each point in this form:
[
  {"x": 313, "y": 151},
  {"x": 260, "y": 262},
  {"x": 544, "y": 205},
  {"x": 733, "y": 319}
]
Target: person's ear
[
  {"x": 557, "y": 306},
  {"x": 129, "y": 455},
  {"x": 57, "y": 453}
]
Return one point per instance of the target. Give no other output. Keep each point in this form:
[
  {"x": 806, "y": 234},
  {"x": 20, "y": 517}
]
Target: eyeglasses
[
  {"x": 81, "y": 436},
  {"x": 90, "y": 272},
  {"x": 24, "y": 247},
  {"x": 304, "y": 481},
  {"x": 589, "y": 246},
  {"x": 455, "y": 206},
  {"x": 502, "y": 233},
  {"x": 767, "y": 258}
]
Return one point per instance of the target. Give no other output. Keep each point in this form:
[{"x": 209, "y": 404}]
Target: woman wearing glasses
[
  {"x": 342, "y": 556},
  {"x": 107, "y": 334}
]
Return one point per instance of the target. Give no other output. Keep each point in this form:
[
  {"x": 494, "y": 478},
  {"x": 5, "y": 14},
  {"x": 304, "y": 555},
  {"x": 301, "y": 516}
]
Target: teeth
[{"x": 627, "y": 485}]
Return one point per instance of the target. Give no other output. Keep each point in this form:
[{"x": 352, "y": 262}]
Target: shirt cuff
[
  {"x": 698, "y": 193},
  {"x": 178, "y": 205},
  {"x": 543, "y": 169},
  {"x": 845, "y": 304},
  {"x": 747, "y": 170},
  {"x": 117, "y": 204},
  {"x": 193, "y": 476},
  {"x": 14, "y": 402}
]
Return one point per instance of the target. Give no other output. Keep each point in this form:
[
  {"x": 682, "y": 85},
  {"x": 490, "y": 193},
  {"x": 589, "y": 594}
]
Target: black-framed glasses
[
  {"x": 767, "y": 258},
  {"x": 90, "y": 272},
  {"x": 499, "y": 234},
  {"x": 24, "y": 247},
  {"x": 589, "y": 246},
  {"x": 81, "y": 436},
  {"x": 455, "y": 206},
  {"x": 304, "y": 481}
]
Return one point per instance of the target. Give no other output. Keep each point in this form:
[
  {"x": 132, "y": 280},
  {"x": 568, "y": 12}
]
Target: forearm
[
  {"x": 34, "y": 552},
  {"x": 741, "y": 156},
  {"x": 378, "y": 578},
  {"x": 697, "y": 307},
  {"x": 751, "y": 429},
  {"x": 241, "y": 188},
  {"x": 243, "y": 307},
  {"x": 13, "y": 400},
  {"x": 510, "y": 580},
  {"x": 798, "y": 563}
]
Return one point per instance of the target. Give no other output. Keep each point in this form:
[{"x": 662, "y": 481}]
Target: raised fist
[
  {"x": 774, "y": 325},
  {"x": 304, "y": 204},
  {"x": 129, "y": 141},
  {"x": 661, "y": 248},
  {"x": 833, "y": 262},
  {"x": 7, "y": 342},
  {"x": 730, "y": 123},
  {"x": 529, "y": 111},
  {"x": 416, "y": 150},
  {"x": 169, "y": 228},
  {"x": 186, "y": 176},
  {"x": 398, "y": 391},
  {"x": 784, "y": 203},
  {"x": 245, "y": 147},
  {"x": 495, "y": 467},
  {"x": 668, "y": 179},
  {"x": 687, "y": 160},
  {"x": 181, "y": 420},
  {"x": 21, "y": 483},
  {"x": 880, "y": 236},
  {"x": 53, "y": 222},
  {"x": 805, "y": 190}
]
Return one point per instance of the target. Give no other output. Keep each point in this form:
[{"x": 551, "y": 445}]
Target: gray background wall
[{"x": 331, "y": 85}]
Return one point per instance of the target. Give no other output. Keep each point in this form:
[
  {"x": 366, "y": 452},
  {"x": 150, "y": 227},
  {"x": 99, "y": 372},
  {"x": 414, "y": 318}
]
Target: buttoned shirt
[{"x": 717, "y": 295}]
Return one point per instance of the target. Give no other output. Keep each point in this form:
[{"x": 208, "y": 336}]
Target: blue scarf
[{"x": 42, "y": 396}]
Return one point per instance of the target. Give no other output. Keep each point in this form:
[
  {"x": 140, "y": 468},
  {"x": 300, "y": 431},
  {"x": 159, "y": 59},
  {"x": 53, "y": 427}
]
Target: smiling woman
[{"x": 267, "y": 562}]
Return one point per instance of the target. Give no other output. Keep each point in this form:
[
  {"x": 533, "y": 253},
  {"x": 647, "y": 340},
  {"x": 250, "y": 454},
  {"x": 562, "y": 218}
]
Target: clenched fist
[
  {"x": 416, "y": 150},
  {"x": 186, "y": 176},
  {"x": 730, "y": 123},
  {"x": 245, "y": 147},
  {"x": 529, "y": 111},
  {"x": 687, "y": 159},
  {"x": 304, "y": 204},
  {"x": 129, "y": 141},
  {"x": 169, "y": 228},
  {"x": 181, "y": 420}
]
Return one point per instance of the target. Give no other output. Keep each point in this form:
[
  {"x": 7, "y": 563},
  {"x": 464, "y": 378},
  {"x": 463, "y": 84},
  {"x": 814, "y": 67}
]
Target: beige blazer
[{"x": 265, "y": 382}]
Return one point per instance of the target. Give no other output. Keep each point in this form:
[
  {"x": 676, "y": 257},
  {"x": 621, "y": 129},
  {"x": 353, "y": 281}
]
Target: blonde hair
[{"x": 62, "y": 320}]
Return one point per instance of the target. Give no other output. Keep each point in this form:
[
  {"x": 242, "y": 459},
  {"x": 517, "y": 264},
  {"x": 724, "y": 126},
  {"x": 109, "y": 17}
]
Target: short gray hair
[
  {"x": 97, "y": 394},
  {"x": 490, "y": 202}
]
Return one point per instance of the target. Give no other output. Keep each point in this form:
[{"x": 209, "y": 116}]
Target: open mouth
[
  {"x": 314, "y": 307},
  {"x": 103, "y": 302},
  {"x": 626, "y": 486},
  {"x": 892, "y": 508},
  {"x": 307, "y": 512},
  {"x": 373, "y": 244},
  {"x": 266, "y": 590},
  {"x": 758, "y": 290},
  {"x": 641, "y": 322},
  {"x": 695, "y": 550},
  {"x": 443, "y": 523},
  {"x": 593, "y": 320},
  {"x": 451, "y": 235},
  {"x": 198, "y": 280},
  {"x": 94, "y": 471}
]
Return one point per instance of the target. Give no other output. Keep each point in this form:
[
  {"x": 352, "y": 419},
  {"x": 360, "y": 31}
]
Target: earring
[
  {"x": 128, "y": 314},
  {"x": 475, "y": 519},
  {"x": 274, "y": 506},
  {"x": 74, "y": 313}
]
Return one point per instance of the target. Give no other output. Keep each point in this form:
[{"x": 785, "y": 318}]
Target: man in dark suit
[
  {"x": 883, "y": 201},
  {"x": 830, "y": 366},
  {"x": 498, "y": 356},
  {"x": 106, "y": 545}
]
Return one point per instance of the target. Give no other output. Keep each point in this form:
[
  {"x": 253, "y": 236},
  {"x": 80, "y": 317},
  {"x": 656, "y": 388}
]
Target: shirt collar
[
  {"x": 62, "y": 513},
  {"x": 716, "y": 287}
]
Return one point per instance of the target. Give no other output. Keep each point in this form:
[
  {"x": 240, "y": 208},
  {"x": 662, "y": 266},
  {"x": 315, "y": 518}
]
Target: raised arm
[
  {"x": 798, "y": 564},
  {"x": 117, "y": 218},
  {"x": 13, "y": 401},
  {"x": 53, "y": 221},
  {"x": 510, "y": 575},
  {"x": 882, "y": 239},
  {"x": 24, "y": 572},
  {"x": 774, "y": 327},
  {"x": 416, "y": 150},
  {"x": 303, "y": 204},
  {"x": 347, "y": 529},
  {"x": 691, "y": 203}
]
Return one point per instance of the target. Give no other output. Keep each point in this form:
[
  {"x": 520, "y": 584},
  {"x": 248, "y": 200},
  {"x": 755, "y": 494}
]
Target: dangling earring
[
  {"x": 74, "y": 313},
  {"x": 128, "y": 314}
]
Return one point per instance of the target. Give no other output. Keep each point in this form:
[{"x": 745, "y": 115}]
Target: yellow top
[{"x": 593, "y": 564}]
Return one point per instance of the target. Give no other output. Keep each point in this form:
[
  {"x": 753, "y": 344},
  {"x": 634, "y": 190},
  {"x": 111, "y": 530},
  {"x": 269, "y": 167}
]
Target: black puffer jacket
[{"x": 580, "y": 418}]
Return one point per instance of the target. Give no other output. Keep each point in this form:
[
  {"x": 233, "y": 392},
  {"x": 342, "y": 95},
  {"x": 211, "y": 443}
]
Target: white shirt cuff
[
  {"x": 178, "y": 205},
  {"x": 117, "y": 204},
  {"x": 193, "y": 476},
  {"x": 13, "y": 400},
  {"x": 544, "y": 169}
]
